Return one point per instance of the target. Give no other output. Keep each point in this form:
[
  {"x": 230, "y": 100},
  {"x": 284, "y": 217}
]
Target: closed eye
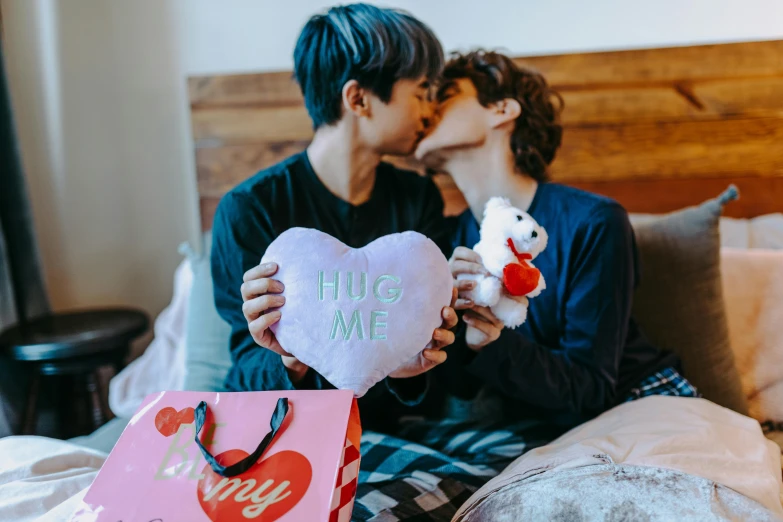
[{"x": 446, "y": 91}]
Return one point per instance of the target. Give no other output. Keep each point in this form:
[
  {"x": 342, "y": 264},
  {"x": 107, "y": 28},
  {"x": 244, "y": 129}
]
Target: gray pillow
[
  {"x": 679, "y": 303},
  {"x": 207, "y": 358}
]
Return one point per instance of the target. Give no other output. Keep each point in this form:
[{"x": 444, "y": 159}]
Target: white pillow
[
  {"x": 761, "y": 232},
  {"x": 753, "y": 295}
]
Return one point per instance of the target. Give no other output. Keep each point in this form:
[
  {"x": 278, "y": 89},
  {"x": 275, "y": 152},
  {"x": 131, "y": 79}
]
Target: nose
[
  {"x": 429, "y": 115},
  {"x": 534, "y": 234}
]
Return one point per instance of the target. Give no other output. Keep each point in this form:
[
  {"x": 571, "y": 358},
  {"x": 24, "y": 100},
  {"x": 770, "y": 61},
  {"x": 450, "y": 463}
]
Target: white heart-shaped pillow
[{"x": 356, "y": 315}]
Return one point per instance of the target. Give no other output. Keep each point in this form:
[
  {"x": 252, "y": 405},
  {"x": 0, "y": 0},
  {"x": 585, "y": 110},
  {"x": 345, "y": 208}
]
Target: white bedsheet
[{"x": 43, "y": 479}]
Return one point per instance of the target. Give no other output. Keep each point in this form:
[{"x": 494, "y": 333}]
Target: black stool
[{"x": 73, "y": 344}]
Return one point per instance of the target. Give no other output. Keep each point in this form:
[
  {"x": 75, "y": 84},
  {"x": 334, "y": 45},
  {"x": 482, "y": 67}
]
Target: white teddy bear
[{"x": 510, "y": 240}]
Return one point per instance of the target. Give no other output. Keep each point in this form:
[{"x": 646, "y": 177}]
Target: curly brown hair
[{"x": 537, "y": 132}]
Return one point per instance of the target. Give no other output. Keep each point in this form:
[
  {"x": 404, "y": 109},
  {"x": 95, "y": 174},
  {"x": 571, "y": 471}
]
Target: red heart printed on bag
[
  {"x": 264, "y": 493},
  {"x": 168, "y": 420}
]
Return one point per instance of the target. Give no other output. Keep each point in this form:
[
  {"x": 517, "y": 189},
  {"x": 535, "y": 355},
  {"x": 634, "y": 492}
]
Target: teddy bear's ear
[{"x": 496, "y": 203}]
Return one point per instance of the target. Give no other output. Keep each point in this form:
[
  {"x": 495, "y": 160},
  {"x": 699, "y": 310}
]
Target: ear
[
  {"x": 504, "y": 111},
  {"x": 355, "y": 99},
  {"x": 496, "y": 203}
]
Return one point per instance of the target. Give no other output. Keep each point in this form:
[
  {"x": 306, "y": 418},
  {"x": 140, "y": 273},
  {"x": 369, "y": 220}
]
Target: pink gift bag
[{"x": 291, "y": 456}]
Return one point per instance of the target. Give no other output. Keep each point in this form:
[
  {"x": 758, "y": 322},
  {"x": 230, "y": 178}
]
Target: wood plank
[
  {"x": 270, "y": 88},
  {"x": 631, "y": 104},
  {"x": 232, "y": 126},
  {"x": 736, "y": 98},
  {"x": 744, "y": 97},
  {"x": 697, "y": 149},
  {"x": 207, "y": 208},
  {"x": 221, "y": 169},
  {"x": 566, "y": 71},
  {"x": 758, "y": 196},
  {"x": 723, "y": 148},
  {"x": 660, "y": 66}
]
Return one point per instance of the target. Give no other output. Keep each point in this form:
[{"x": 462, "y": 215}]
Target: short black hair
[
  {"x": 537, "y": 132},
  {"x": 372, "y": 45}
]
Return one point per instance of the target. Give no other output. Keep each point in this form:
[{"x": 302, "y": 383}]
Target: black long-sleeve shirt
[{"x": 288, "y": 195}]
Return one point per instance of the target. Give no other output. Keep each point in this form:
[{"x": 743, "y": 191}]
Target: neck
[
  {"x": 344, "y": 166},
  {"x": 488, "y": 171}
]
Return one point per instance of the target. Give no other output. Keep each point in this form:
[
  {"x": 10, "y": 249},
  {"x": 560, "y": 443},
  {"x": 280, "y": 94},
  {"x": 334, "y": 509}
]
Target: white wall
[
  {"x": 101, "y": 108},
  {"x": 250, "y": 35},
  {"x": 99, "y": 93}
]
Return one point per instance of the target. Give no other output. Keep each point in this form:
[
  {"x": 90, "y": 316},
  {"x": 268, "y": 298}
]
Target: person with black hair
[{"x": 365, "y": 74}]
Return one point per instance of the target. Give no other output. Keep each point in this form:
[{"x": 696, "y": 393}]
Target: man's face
[
  {"x": 396, "y": 127},
  {"x": 462, "y": 122}
]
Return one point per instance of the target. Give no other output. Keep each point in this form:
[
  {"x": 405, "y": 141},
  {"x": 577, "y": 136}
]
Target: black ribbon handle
[{"x": 281, "y": 410}]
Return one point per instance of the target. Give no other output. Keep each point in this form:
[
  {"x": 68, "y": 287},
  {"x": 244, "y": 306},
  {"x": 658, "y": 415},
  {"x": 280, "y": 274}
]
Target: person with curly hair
[{"x": 580, "y": 352}]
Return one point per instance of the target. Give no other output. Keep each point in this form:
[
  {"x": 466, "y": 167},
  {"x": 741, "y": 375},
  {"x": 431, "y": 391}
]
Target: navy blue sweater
[{"x": 579, "y": 352}]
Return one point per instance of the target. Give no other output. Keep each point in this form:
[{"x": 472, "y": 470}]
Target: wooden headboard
[{"x": 656, "y": 129}]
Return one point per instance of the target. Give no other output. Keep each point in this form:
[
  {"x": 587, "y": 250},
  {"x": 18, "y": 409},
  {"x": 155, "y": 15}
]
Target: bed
[{"x": 658, "y": 130}]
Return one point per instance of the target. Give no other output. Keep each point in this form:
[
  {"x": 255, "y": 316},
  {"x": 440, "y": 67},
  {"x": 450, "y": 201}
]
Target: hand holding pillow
[{"x": 368, "y": 314}]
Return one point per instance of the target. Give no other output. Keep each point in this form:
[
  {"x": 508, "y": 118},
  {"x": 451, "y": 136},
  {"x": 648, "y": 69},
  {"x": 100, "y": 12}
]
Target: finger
[
  {"x": 454, "y": 296},
  {"x": 478, "y": 321},
  {"x": 275, "y": 347},
  {"x": 293, "y": 363},
  {"x": 449, "y": 318},
  {"x": 467, "y": 267},
  {"x": 471, "y": 315},
  {"x": 258, "y": 287},
  {"x": 260, "y": 325},
  {"x": 466, "y": 254},
  {"x": 463, "y": 304},
  {"x": 255, "y": 307},
  {"x": 434, "y": 356},
  {"x": 442, "y": 338},
  {"x": 464, "y": 285},
  {"x": 259, "y": 271},
  {"x": 487, "y": 315}
]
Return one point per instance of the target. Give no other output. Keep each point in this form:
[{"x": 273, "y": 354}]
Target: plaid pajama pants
[{"x": 427, "y": 472}]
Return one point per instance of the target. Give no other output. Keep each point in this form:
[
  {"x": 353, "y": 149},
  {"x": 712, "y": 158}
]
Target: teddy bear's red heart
[
  {"x": 168, "y": 420},
  {"x": 264, "y": 493},
  {"x": 520, "y": 279}
]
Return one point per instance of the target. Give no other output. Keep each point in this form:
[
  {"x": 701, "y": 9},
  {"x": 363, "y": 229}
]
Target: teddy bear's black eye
[{"x": 519, "y": 218}]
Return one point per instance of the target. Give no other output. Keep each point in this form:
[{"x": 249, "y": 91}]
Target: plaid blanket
[{"x": 431, "y": 468}]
